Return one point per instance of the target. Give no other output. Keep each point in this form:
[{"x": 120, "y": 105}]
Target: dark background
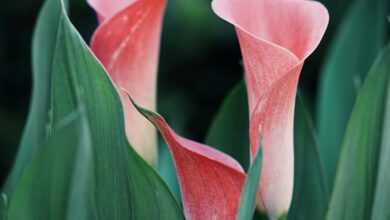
[{"x": 200, "y": 62}]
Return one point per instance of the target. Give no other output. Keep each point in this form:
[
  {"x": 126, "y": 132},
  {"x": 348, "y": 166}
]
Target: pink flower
[
  {"x": 127, "y": 43},
  {"x": 276, "y": 36},
  {"x": 210, "y": 181}
]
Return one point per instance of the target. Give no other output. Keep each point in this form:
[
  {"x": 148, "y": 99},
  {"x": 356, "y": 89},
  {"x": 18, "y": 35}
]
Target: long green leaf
[
  {"x": 122, "y": 185},
  {"x": 359, "y": 39},
  {"x": 229, "y": 130},
  {"x": 381, "y": 209},
  {"x": 35, "y": 132},
  {"x": 353, "y": 195},
  {"x": 58, "y": 169},
  {"x": 247, "y": 206},
  {"x": 311, "y": 193}
]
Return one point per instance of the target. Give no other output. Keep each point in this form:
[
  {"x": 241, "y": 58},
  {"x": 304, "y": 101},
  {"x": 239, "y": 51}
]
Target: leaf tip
[{"x": 150, "y": 115}]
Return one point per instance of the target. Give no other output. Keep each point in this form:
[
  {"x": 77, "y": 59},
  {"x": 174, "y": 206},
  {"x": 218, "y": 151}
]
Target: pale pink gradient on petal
[
  {"x": 275, "y": 36},
  {"x": 210, "y": 181},
  {"x": 108, "y": 8},
  {"x": 127, "y": 43}
]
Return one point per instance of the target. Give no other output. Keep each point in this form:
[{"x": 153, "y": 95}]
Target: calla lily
[
  {"x": 210, "y": 181},
  {"x": 127, "y": 43},
  {"x": 276, "y": 36}
]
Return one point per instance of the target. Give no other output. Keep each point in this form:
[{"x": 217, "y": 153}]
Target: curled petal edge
[
  {"x": 210, "y": 181},
  {"x": 275, "y": 36}
]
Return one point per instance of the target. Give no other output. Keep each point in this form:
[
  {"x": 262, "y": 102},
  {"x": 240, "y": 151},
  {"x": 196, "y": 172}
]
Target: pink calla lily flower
[
  {"x": 276, "y": 36},
  {"x": 210, "y": 181},
  {"x": 127, "y": 43}
]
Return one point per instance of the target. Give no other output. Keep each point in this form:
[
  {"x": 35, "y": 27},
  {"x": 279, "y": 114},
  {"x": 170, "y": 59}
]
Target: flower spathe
[
  {"x": 276, "y": 36},
  {"x": 210, "y": 181},
  {"x": 127, "y": 43}
]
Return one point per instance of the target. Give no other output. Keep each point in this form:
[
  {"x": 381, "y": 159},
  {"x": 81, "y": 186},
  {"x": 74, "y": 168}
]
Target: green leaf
[
  {"x": 166, "y": 169},
  {"x": 247, "y": 206},
  {"x": 311, "y": 193},
  {"x": 172, "y": 104},
  {"x": 354, "y": 189},
  {"x": 359, "y": 39},
  {"x": 229, "y": 130},
  {"x": 122, "y": 185},
  {"x": 34, "y": 135},
  {"x": 381, "y": 209},
  {"x": 337, "y": 11},
  {"x": 57, "y": 176},
  {"x": 3, "y": 205}
]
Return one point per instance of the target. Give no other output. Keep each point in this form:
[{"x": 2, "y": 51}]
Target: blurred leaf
[
  {"x": 337, "y": 12},
  {"x": 247, "y": 206},
  {"x": 3, "y": 205},
  {"x": 260, "y": 215},
  {"x": 311, "y": 193},
  {"x": 229, "y": 130},
  {"x": 381, "y": 209},
  {"x": 354, "y": 189},
  {"x": 120, "y": 178},
  {"x": 360, "y": 38}
]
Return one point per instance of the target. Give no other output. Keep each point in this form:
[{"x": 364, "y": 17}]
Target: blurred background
[{"x": 200, "y": 62}]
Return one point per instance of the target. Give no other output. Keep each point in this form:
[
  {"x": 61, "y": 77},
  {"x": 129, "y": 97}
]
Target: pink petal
[
  {"x": 108, "y": 8},
  {"x": 210, "y": 181},
  {"x": 276, "y": 36},
  {"x": 128, "y": 46}
]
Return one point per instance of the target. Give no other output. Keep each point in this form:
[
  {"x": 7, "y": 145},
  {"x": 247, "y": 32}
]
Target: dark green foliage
[
  {"x": 75, "y": 163},
  {"x": 380, "y": 210},
  {"x": 43, "y": 47},
  {"x": 229, "y": 130},
  {"x": 54, "y": 184},
  {"x": 354, "y": 191},
  {"x": 311, "y": 193},
  {"x": 360, "y": 37},
  {"x": 115, "y": 177}
]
